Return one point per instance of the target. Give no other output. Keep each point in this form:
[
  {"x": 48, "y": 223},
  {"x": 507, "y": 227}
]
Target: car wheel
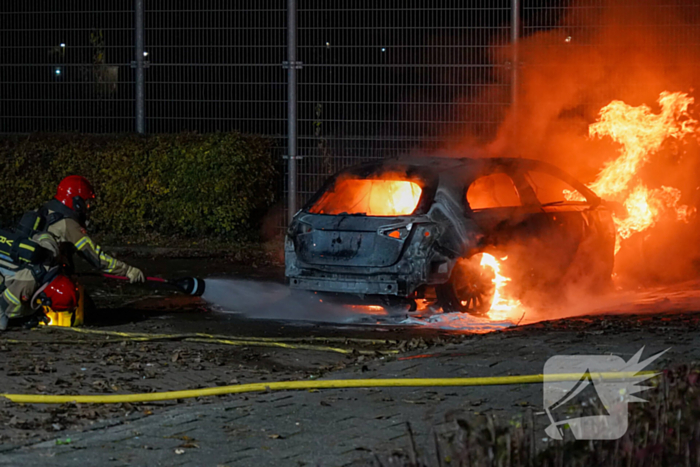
[{"x": 470, "y": 288}]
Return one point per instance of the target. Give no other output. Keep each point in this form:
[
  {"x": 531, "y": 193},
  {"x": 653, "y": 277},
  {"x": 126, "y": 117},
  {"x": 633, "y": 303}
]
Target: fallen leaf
[{"x": 275, "y": 436}]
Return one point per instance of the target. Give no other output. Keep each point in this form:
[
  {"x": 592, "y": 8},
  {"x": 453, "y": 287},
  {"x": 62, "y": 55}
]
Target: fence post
[
  {"x": 292, "y": 65},
  {"x": 515, "y": 39},
  {"x": 140, "y": 118}
]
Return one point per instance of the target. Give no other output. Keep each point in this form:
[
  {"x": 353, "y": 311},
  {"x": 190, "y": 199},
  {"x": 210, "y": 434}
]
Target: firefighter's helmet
[
  {"x": 76, "y": 193},
  {"x": 61, "y": 294}
]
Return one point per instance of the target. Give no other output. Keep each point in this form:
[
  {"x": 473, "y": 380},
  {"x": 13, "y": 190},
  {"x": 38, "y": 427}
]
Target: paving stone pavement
[{"x": 346, "y": 426}]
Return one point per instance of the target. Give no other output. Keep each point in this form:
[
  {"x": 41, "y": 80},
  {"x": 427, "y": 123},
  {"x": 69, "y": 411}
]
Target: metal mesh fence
[
  {"x": 65, "y": 66},
  {"x": 216, "y": 65},
  {"x": 379, "y": 77}
]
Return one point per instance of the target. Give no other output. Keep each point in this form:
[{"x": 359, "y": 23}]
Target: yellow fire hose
[
  {"x": 222, "y": 336},
  {"x": 283, "y": 345},
  {"x": 219, "y": 339},
  {"x": 315, "y": 384}
]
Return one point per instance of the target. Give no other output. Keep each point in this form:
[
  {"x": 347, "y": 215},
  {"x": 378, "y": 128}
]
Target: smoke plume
[{"x": 569, "y": 73}]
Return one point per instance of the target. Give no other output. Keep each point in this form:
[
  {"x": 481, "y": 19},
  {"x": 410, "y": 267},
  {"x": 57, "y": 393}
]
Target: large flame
[
  {"x": 502, "y": 307},
  {"x": 640, "y": 133}
]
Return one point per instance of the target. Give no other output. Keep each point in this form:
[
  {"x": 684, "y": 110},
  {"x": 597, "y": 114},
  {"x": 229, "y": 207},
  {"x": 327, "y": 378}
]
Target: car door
[
  {"x": 502, "y": 204},
  {"x": 578, "y": 228}
]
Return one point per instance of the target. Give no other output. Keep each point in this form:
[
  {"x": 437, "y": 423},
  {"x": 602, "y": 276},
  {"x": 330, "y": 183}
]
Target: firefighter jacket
[
  {"x": 20, "y": 283},
  {"x": 69, "y": 232}
]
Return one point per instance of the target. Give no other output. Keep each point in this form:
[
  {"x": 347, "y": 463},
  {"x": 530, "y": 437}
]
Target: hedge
[{"x": 186, "y": 184}]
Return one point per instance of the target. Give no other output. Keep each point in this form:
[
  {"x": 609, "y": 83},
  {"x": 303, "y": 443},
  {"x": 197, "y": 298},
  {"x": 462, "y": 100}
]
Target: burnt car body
[{"x": 466, "y": 206}]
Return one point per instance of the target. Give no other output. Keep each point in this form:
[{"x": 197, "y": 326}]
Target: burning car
[{"x": 401, "y": 230}]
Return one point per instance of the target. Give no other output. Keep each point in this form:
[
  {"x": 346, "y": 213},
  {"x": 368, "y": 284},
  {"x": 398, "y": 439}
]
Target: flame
[
  {"x": 640, "y": 133},
  {"x": 372, "y": 197},
  {"x": 502, "y": 307},
  {"x": 368, "y": 309}
]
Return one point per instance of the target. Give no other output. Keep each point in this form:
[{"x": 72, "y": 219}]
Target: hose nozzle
[{"x": 190, "y": 285}]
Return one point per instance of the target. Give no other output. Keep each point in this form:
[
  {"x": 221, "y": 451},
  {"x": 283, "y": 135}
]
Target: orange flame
[
  {"x": 368, "y": 309},
  {"x": 502, "y": 307},
  {"x": 640, "y": 132},
  {"x": 372, "y": 197}
]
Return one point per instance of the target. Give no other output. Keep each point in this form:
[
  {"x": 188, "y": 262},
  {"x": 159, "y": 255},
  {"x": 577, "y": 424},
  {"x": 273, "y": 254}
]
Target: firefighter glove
[{"x": 135, "y": 275}]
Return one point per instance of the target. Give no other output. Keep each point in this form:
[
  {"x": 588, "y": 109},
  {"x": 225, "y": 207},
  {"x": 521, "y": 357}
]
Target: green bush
[{"x": 183, "y": 184}]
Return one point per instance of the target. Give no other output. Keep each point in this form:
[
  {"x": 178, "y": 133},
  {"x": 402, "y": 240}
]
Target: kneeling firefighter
[
  {"x": 29, "y": 275},
  {"x": 66, "y": 219}
]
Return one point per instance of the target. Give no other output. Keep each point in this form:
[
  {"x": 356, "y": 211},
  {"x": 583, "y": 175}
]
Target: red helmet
[
  {"x": 75, "y": 192},
  {"x": 61, "y": 292}
]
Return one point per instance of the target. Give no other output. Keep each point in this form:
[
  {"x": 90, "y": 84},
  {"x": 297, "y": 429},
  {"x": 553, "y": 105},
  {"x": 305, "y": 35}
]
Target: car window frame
[
  {"x": 590, "y": 201},
  {"x": 424, "y": 177},
  {"x": 522, "y": 188}
]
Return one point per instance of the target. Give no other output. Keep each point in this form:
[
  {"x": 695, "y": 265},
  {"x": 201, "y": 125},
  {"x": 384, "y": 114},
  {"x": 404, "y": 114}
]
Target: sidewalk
[{"x": 353, "y": 426}]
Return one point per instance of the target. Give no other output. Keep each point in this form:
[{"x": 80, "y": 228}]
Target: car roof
[{"x": 464, "y": 169}]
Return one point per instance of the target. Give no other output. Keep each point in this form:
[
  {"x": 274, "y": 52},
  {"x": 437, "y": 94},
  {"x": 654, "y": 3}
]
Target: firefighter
[
  {"x": 21, "y": 276},
  {"x": 66, "y": 219}
]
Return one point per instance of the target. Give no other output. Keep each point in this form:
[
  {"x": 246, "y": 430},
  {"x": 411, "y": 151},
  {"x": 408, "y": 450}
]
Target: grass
[{"x": 665, "y": 431}]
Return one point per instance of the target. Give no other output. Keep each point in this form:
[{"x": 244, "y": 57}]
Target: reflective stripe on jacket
[{"x": 69, "y": 231}]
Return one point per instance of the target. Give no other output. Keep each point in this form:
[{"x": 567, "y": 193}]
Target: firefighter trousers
[{"x": 19, "y": 288}]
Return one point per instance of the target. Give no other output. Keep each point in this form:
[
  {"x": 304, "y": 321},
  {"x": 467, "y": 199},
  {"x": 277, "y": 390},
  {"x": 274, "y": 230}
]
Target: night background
[{"x": 379, "y": 78}]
